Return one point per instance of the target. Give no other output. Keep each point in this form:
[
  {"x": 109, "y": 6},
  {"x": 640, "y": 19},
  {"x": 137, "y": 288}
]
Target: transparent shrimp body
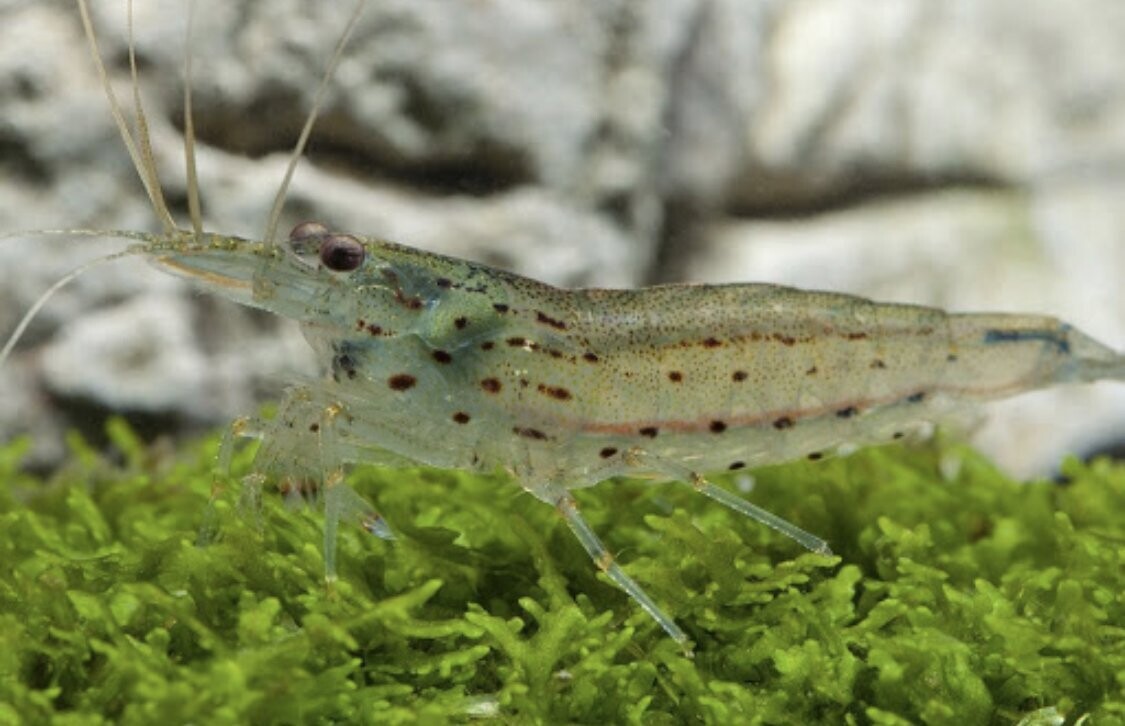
[{"x": 453, "y": 364}]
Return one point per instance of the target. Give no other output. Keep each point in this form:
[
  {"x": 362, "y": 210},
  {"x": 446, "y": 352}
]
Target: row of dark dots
[
  {"x": 518, "y": 342},
  {"x": 372, "y": 328},
  {"x": 739, "y": 376},
  {"x": 446, "y": 283},
  {"x": 556, "y": 392},
  {"x": 789, "y": 340},
  {"x": 783, "y": 422},
  {"x": 559, "y": 393},
  {"x": 540, "y": 316},
  {"x": 611, "y": 451}
]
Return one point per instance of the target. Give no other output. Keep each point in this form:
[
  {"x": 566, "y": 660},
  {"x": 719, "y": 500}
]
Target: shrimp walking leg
[
  {"x": 341, "y": 503},
  {"x": 250, "y": 492},
  {"x": 680, "y": 473},
  {"x": 302, "y": 451},
  {"x": 568, "y": 508}
]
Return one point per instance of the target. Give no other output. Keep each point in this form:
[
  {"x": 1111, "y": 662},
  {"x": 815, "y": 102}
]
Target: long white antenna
[
  {"x": 59, "y": 284},
  {"x": 144, "y": 141},
  {"x": 299, "y": 147},
  {"x": 152, "y": 189},
  {"x": 194, "y": 208}
]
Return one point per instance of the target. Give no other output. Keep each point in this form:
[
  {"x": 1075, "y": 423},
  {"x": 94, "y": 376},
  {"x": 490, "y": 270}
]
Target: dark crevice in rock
[
  {"x": 481, "y": 168},
  {"x": 680, "y": 237},
  {"x": 16, "y": 160},
  {"x": 1113, "y": 449},
  {"x": 799, "y": 196},
  {"x": 88, "y": 417}
]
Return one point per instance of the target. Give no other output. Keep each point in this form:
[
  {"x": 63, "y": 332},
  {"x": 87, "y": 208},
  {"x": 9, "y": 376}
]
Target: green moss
[{"x": 958, "y": 597}]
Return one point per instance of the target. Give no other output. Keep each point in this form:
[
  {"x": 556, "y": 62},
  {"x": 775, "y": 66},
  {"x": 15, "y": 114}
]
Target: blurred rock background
[{"x": 963, "y": 153}]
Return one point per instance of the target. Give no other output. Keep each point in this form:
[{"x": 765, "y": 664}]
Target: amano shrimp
[{"x": 452, "y": 364}]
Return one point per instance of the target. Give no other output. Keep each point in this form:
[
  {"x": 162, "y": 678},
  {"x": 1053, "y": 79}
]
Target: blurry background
[{"x": 963, "y": 153}]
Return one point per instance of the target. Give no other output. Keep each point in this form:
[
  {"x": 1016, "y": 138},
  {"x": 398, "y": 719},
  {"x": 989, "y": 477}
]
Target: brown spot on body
[
  {"x": 675, "y": 376},
  {"x": 487, "y": 345},
  {"x": 607, "y": 452},
  {"x": 739, "y": 376},
  {"x": 461, "y": 417},
  {"x": 649, "y": 431},
  {"x": 590, "y": 357},
  {"x": 461, "y": 323},
  {"x": 711, "y": 343},
  {"x": 314, "y": 427},
  {"x": 444, "y": 282},
  {"x": 491, "y": 385},
  {"x": 916, "y": 397},
  {"x": 856, "y": 336},
  {"x": 877, "y": 364},
  {"x": 811, "y": 371},
  {"x": 718, "y": 427},
  {"x": 785, "y": 339},
  {"x": 783, "y": 423},
  {"x": 374, "y": 329},
  {"x": 815, "y": 456},
  {"x": 401, "y": 382},
  {"x": 951, "y": 358},
  {"x": 847, "y": 412},
  {"x": 542, "y": 317},
  {"x": 556, "y": 392},
  {"x": 897, "y": 435},
  {"x": 530, "y": 433},
  {"x": 442, "y": 357},
  {"x": 737, "y": 465},
  {"x": 500, "y": 307}
]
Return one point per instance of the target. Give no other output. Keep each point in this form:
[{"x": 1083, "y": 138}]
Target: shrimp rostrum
[{"x": 447, "y": 363}]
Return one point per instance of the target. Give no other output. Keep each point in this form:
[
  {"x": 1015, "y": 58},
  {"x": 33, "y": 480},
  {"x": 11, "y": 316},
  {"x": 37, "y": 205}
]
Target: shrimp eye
[
  {"x": 341, "y": 253},
  {"x": 305, "y": 230},
  {"x": 306, "y": 237}
]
